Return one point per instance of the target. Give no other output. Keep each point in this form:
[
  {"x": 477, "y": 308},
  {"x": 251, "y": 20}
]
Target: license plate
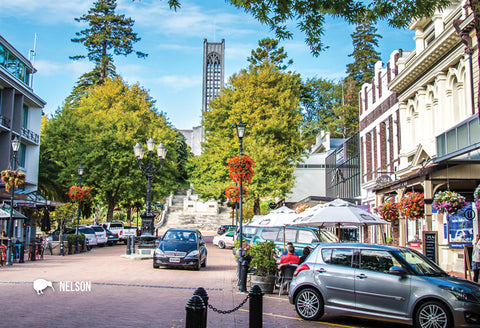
[{"x": 174, "y": 260}]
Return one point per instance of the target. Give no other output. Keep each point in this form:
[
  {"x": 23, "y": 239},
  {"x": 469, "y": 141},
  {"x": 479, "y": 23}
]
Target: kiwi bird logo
[{"x": 41, "y": 284}]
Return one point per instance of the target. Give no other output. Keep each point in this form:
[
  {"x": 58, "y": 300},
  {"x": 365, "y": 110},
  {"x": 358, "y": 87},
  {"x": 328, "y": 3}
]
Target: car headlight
[
  {"x": 461, "y": 294},
  {"x": 159, "y": 252},
  {"x": 193, "y": 253}
]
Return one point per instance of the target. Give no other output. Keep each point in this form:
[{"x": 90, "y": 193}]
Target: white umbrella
[
  {"x": 273, "y": 219},
  {"x": 337, "y": 213}
]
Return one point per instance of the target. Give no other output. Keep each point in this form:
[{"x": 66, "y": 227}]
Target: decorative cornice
[{"x": 423, "y": 62}]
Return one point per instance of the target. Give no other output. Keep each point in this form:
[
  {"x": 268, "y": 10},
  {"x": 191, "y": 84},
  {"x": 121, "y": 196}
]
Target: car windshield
[
  {"x": 421, "y": 264},
  {"x": 177, "y": 235},
  {"x": 86, "y": 231},
  {"x": 98, "y": 229}
]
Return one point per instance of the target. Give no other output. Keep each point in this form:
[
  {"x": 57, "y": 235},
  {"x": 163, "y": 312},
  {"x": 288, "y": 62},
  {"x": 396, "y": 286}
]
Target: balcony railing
[
  {"x": 5, "y": 121},
  {"x": 30, "y": 135}
]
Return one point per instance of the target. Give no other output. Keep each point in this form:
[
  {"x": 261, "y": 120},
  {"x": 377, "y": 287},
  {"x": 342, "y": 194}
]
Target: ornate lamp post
[
  {"x": 242, "y": 265},
  {"x": 149, "y": 168},
  {"x": 15, "y": 148},
  {"x": 80, "y": 173}
]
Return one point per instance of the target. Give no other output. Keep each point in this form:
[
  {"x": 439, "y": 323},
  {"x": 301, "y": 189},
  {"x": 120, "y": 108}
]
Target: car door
[
  {"x": 376, "y": 290},
  {"x": 334, "y": 275}
]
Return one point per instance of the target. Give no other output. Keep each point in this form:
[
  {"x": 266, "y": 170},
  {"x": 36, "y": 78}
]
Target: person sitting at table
[
  {"x": 290, "y": 257},
  {"x": 306, "y": 252}
]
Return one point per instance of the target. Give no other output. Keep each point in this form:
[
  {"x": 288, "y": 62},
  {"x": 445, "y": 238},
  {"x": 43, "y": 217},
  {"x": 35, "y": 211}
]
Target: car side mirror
[
  {"x": 398, "y": 271},
  {"x": 202, "y": 242}
]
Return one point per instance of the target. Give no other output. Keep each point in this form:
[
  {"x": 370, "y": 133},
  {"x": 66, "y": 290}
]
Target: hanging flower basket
[
  {"x": 412, "y": 205},
  {"x": 388, "y": 211},
  {"x": 79, "y": 193},
  {"x": 241, "y": 168},
  {"x": 233, "y": 193},
  {"x": 12, "y": 178},
  {"x": 449, "y": 202},
  {"x": 476, "y": 197},
  {"x": 301, "y": 208}
]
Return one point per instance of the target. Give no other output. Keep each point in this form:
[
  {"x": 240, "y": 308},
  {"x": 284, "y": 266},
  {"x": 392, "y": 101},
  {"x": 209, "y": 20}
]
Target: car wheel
[
  {"x": 155, "y": 266},
  {"x": 309, "y": 304},
  {"x": 197, "y": 266},
  {"x": 204, "y": 263},
  {"x": 101, "y": 245},
  {"x": 221, "y": 244},
  {"x": 432, "y": 314}
]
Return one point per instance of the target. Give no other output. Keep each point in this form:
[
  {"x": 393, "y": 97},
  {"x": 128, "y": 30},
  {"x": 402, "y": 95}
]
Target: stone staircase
[{"x": 205, "y": 222}]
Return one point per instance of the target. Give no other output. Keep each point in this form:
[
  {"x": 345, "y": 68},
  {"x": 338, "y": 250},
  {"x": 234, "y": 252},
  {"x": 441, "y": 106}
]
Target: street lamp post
[
  {"x": 149, "y": 168},
  {"x": 242, "y": 265},
  {"x": 15, "y": 148},
  {"x": 80, "y": 173}
]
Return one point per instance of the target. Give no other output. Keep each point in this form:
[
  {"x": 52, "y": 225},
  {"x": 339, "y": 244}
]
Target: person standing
[{"x": 476, "y": 258}]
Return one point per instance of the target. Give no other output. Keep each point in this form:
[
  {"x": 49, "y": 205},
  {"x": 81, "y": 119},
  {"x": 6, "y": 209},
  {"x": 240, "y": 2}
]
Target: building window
[
  {"x": 25, "y": 117},
  {"x": 23, "y": 152}
]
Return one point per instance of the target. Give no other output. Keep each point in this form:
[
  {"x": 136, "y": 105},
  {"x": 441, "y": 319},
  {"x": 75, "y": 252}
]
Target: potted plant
[
  {"x": 71, "y": 240},
  {"x": 476, "y": 197},
  {"x": 449, "y": 202},
  {"x": 81, "y": 242},
  {"x": 264, "y": 265}
]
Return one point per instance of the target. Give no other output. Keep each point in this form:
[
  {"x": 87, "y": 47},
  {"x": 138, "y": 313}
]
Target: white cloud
[
  {"x": 45, "y": 11},
  {"x": 51, "y": 68},
  {"x": 179, "y": 82}
]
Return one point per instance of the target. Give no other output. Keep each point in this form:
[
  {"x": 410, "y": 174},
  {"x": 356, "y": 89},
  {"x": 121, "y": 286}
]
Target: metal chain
[{"x": 229, "y": 311}]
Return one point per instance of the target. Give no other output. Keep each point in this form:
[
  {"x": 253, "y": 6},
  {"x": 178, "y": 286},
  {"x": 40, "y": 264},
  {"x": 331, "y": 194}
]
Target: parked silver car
[{"x": 395, "y": 284}]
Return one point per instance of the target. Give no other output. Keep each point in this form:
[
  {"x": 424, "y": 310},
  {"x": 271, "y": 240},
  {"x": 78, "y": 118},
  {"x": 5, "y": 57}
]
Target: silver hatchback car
[{"x": 389, "y": 283}]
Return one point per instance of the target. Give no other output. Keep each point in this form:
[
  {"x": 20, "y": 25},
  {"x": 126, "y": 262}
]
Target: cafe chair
[{"x": 286, "y": 276}]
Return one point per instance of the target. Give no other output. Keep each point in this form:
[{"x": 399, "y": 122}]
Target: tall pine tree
[
  {"x": 108, "y": 34},
  {"x": 365, "y": 40}
]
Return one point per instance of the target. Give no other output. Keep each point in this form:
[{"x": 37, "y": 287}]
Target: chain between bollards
[{"x": 197, "y": 307}]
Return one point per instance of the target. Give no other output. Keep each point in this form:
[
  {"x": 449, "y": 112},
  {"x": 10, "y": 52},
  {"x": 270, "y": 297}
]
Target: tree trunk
[
  {"x": 129, "y": 215},
  {"x": 111, "y": 207},
  {"x": 256, "y": 206}
]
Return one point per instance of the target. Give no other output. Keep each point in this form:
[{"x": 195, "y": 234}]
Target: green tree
[
  {"x": 365, "y": 39},
  {"x": 99, "y": 132},
  {"x": 268, "y": 51},
  {"x": 108, "y": 34},
  {"x": 310, "y": 14},
  {"x": 319, "y": 98},
  {"x": 344, "y": 120},
  {"x": 267, "y": 100}
]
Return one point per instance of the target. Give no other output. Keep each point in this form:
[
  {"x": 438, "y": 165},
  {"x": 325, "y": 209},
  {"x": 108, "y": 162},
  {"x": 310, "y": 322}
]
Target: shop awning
[{"x": 5, "y": 213}]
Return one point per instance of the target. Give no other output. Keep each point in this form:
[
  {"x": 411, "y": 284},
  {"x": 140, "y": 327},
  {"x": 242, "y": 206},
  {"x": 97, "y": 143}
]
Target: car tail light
[
  {"x": 121, "y": 232},
  {"x": 300, "y": 269}
]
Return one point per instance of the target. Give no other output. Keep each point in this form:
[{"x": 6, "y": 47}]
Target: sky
[{"x": 172, "y": 72}]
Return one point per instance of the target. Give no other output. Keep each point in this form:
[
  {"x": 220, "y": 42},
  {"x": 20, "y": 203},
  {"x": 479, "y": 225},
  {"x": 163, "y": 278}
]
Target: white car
[
  {"x": 100, "y": 234},
  {"x": 89, "y": 235},
  {"x": 225, "y": 240}
]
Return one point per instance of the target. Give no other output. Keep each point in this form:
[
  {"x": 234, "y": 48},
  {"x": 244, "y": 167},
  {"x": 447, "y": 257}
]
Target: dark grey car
[{"x": 382, "y": 282}]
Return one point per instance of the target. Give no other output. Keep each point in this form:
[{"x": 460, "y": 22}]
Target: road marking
[
  {"x": 300, "y": 319},
  {"x": 116, "y": 284}
]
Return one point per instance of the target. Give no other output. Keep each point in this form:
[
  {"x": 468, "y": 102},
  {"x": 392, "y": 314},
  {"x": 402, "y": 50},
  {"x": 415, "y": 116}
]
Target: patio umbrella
[
  {"x": 335, "y": 214},
  {"x": 46, "y": 221}
]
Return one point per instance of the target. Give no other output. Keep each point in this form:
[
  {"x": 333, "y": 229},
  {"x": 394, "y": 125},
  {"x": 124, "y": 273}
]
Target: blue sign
[{"x": 460, "y": 228}]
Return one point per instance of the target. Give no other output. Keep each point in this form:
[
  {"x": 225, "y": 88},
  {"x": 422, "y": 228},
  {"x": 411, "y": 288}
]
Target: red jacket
[{"x": 290, "y": 258}]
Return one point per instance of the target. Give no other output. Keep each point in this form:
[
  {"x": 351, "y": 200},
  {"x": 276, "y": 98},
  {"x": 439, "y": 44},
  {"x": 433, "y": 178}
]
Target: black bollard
[
  {"x": 129, "y": 250},
  {"x": 200, "y": 291},
  {"x": 195, "y": 313},
  {"x": 243, "y": 263},
  {"x": 256, "y": 307},
  {"x": 33, "y": 251},
  {"x": 132, "y": 243},
  {"x": 62, "y": 248},
  {"x": 21, "y": 258}
]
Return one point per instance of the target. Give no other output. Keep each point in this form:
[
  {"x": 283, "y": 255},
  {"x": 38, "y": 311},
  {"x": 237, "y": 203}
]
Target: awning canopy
[{"x": 5, "y": 213}]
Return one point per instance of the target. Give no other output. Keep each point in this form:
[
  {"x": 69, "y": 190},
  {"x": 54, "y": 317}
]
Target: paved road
[{"x": 130, "y": 293}]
